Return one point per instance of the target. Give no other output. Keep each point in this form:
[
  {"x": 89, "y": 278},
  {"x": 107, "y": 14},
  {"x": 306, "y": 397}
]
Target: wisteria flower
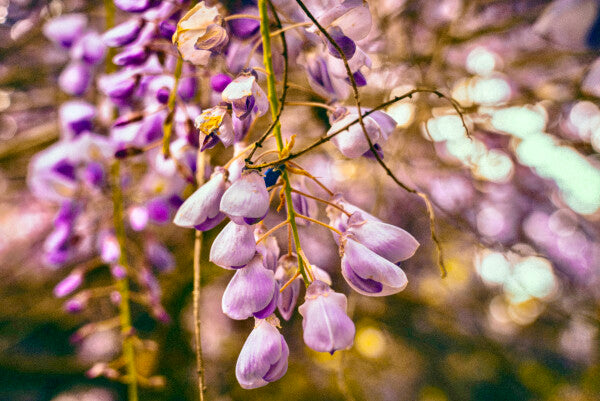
[
  {"x": 246, "y": 201},
  {"x": 351, "y": 141},
  {"x": 327, "y": 327},
  {"x": 201, "y": 209},
  {"x": 264, "y": 356},
  {"x": 368, "y": 273},
  {"x": 215, "y": 123},
  {"x": 198, "y": 33},
  {"x": 246, "y": 96},
  {"x": 234, "y": 247},
  {"x": 251, "y": 292}
]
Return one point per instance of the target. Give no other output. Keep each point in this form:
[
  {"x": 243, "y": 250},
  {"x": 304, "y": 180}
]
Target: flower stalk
[
  {"x": 274, "y": 105},
  {"x": 123, "y": 285}
]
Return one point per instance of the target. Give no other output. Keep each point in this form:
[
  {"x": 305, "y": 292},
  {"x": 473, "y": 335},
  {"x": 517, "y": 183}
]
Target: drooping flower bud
[
  {"x": 351, "y": 141},
  {"x": 201, "y": 209},
  {"x": 391, "y": 242},
  {"x": 110, "y": 251},
  {"x": 264, "y": 356},
  {"x": 65, "y": 29},
  {"x": 68, "y": 284},
  {"x": 268, "y": 248},
  {"x": 119, "y": 85},
  {"x": 75, "y": 78},
  {"x": 76, "y": 117},
  {"x": 234, "y": 247},
  {"x": 159, "y": 256},
  {"x": 327, "y": 327},
  {"x": 247, "y": 200},
  {"x": 219, "y": 82},
  {"x": 124, "y": 33},
  {"x": 244, "y": 28},
  {"x": 251, "y": 292},
  {"x": 368, "y": 273},
  {"x": 286, "y": 269},
  {"x": 135, "y": 6},
  {"x": 344, "y": 42},
  {"x": 246, "y": 96},
  {"x": 89, "y": 48}
]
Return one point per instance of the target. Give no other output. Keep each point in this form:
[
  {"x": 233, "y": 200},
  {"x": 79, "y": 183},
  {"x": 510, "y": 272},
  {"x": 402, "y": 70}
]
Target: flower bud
[
  {"x": 68, "y": 284},
  {"x": 268, "y": 248},
  {"x": 234, "y": 247},
  {"x": 327, "y": 327},
  {"x": 264, "y": 356},
  {"x": 65, "y": 29},
  {"x": 286, "y": 269},
  {"x": 367, "y": 272},
  {"x": 89, "y": 49},
  {"x": 251, "y": 292},
  {"x": 201, "y": 209},
  {"x": 135, "y": 6},
  {"x": 75, "y": 78},
  {"x": 76, "y": 117},
  {"x": 124, "y": 33},
  {"x": 247, "y": 200}
]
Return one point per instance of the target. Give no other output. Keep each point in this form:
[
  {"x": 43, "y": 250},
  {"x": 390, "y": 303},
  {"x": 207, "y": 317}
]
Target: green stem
[
  {"x": 274, "y": 104},
  {"x": 109, "y": 20},
  {"x": 123, "y": 285},
  {"x": 168, "y": 125}
]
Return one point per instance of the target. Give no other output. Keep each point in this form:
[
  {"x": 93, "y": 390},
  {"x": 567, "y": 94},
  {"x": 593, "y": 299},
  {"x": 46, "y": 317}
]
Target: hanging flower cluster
[{"x": 149, "y": 114}]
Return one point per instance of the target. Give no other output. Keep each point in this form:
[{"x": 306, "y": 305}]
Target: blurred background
[{"x": 517, "y": 206}]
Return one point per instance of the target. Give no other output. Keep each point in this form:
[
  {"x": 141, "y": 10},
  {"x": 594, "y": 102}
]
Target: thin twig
[
  {"x": 371, "y": 146},
  {"x": 201, "y": 160},
  {"x": 322, "y": 200},
  {"x": 272, "y": 230}
]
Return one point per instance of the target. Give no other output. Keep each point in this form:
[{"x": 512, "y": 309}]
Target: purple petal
[
  {"x": 131, "y": 56},
  {"x": 363, "y": 268},
  {"x": 344, "y": 42},
  {"x": 251, "y": 290},
  {"x": 391, "y": 242},
  {"x": 234, "y": 246},
  {"x": 326, "y": 326},
  {"x": 76, "y": 117},
  {"x": 135, "y": 6},
  {"x": 64, "y": 30},
  {"x": 263, "y": 357},
  {"x": 123, "y": 34},
  {"x": 89, "y": 49},
  {"x": 270, "y": 308},
  {"x": 75, "y": 78},
  {"x": 246, "y": 198},
  {"x": 219, "y": 82},
  {"x": 203, "y": 204}
]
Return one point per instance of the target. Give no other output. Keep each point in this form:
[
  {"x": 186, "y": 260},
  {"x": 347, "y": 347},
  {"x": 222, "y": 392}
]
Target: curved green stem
[
  {"x": 274, "y": 105},
  {"x": 123, "y": 285}
]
